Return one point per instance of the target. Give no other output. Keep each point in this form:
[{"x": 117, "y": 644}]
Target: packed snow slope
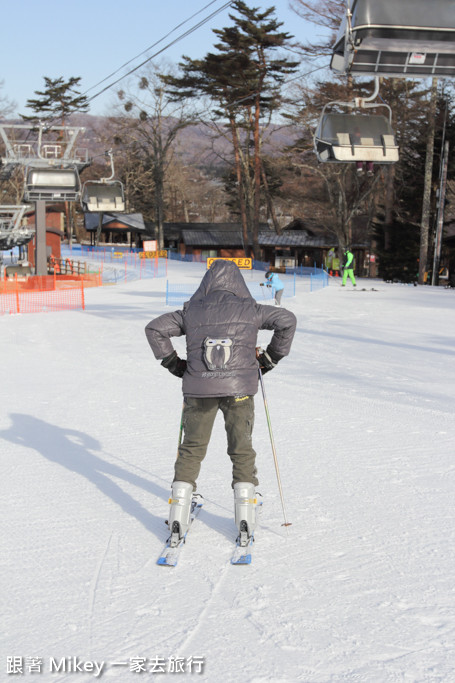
[{"x": 360, "y": 587}]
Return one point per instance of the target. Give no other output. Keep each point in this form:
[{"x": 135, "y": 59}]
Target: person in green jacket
[{"x": 348, "y": 268}]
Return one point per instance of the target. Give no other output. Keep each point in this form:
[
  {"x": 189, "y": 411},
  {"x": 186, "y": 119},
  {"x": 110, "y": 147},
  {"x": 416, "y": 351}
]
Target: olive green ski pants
[{"x": 198, "y": 419}]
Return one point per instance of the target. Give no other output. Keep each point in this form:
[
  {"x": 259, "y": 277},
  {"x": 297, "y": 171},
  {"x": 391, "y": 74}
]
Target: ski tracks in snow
[
  {"x": 202, "y": 618},
  {"x": 93, "y": 589}
]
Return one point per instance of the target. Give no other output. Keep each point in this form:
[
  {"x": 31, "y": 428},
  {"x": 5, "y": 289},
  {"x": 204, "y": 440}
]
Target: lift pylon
[
  {"x": 41, "y": 146},
  {"x": 51, "y": 164}
]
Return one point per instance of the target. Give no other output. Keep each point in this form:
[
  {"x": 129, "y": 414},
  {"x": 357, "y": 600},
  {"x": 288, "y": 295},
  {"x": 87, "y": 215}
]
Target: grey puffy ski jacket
[{"x": 221, "y": 322}]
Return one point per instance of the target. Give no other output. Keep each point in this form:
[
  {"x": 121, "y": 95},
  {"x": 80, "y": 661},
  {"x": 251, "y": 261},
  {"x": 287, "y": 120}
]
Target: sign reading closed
[{"x": 243, "y": 262}]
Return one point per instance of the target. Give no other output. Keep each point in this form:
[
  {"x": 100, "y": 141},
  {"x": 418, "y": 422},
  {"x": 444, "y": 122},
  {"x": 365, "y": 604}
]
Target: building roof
[
  {"x": 228, "y": 227},
  {"x": 266, "y": 238},
  {"x": 127, "y": 221},
  {"x": 212, "y": 238},
  {"x": 292, "y": 238}
]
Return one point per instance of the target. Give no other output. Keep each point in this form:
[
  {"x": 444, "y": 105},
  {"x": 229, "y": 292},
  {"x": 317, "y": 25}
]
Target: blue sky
[{"x": 92, "y": 39}]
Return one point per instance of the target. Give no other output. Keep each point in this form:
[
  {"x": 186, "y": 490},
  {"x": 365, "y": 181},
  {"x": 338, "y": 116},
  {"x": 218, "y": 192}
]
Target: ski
[
  {"x": 242, "y": 553},
  {"x": 170, "y": 555}
]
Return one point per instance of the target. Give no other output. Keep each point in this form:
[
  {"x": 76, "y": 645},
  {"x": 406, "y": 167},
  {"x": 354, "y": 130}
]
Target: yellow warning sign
[
  {"x": 243, "y": 262},
  {"x": 162, "y": 253}
]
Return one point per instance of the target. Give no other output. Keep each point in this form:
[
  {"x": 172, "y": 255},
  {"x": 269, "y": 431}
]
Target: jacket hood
[{"x": 225, "y": 276}]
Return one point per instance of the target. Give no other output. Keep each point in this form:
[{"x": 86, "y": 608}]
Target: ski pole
[
  {"x": 180, "y": 430},
  {"x": 286, "y": 523}
]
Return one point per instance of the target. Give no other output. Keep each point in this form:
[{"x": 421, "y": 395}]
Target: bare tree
[
  {"x": 193, "y": 196},
  {"x": 147, "y": 132},
  {"x": 7, "y": 106},
  {"x": 325, "y": 14},
  {"x": 11, "y": 184}
]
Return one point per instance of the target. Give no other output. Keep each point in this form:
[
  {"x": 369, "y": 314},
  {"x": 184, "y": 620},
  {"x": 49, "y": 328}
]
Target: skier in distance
[
  {"x": 272, "y": 280},
  {"x": 348, "y": 268}
]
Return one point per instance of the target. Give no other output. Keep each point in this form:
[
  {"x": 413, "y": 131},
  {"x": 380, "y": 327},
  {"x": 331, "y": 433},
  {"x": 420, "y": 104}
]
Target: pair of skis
[
  {"x": 242, "y": 553},
  {"x": 170, "y": 555}
]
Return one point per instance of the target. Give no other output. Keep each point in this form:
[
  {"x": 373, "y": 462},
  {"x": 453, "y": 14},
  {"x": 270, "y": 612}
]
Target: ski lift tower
[{"x": 51, "y": 163}]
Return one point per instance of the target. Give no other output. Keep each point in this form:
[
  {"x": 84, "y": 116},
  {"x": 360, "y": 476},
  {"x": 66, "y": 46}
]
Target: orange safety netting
[
  {"x": 49, "y": 282},
  {"x": 46, "y": 293}
]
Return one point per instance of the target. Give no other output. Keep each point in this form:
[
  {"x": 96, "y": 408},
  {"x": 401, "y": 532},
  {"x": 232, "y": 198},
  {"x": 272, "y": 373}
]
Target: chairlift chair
[
  {"x": 51, "y": 184},
  {"x": 103, "y": 195},
  {"x": 407, "y": 39},
  {"x": 358, "y": 137}
]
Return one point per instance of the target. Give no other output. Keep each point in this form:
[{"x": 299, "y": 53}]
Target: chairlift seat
[
  {"x": 51, "y": 184},
  {"x": 407, "y": 39},
  {"x": 343, "y": 139},
  {"x": 355, "y": 137},
  {"x": 101, "y": 196}
]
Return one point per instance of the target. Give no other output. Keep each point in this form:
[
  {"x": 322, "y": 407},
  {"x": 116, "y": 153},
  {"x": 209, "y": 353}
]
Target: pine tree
[
  {"x": 243, "y": 79},
  {"x": 59, "y": 99}
]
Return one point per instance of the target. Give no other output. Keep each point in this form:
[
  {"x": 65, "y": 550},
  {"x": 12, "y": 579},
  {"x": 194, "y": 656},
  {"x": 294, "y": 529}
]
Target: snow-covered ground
[{"x": 360, "y": 588}]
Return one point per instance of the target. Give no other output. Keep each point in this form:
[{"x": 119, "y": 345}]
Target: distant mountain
[{"x": 196, "y": 144}]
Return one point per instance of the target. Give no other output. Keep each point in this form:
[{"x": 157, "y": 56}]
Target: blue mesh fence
[
  {"x": 311, "y": 277},
  {"x": 318, "y": 280},
  {"x": 123, "y": 264},
  {"x": 120, "y": 265},
  {"x": 188, "y": 258},
  {"x": 177, "y": 294}
]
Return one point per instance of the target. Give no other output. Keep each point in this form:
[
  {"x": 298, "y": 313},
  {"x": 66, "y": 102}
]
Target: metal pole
[
  {"x": 40, "y": 238},
  {"x": 440, "y": 222},
  {"x": 286, "y": 523},
  {"x": 181, "y": 430}
]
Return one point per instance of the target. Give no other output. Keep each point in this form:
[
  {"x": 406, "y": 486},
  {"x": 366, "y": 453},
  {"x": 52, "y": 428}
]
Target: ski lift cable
[
  {"x": 151, "y": 46},
  {"x": 184, "y": 35},
  {"x": 291, "y": 80},
  {"x": 50, "y": 122},
  {"x": 178, "y": 39}
]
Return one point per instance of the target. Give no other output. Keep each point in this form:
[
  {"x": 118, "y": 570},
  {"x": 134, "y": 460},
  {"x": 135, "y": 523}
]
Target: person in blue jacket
[{"x": 272, "y": 280}]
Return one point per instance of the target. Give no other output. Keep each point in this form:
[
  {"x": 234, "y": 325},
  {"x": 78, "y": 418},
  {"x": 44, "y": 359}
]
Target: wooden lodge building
[{"x": 299, "y": 244}]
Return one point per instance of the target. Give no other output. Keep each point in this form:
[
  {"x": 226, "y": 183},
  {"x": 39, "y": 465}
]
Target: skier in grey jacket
[{"x": 221, "y": 323}]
